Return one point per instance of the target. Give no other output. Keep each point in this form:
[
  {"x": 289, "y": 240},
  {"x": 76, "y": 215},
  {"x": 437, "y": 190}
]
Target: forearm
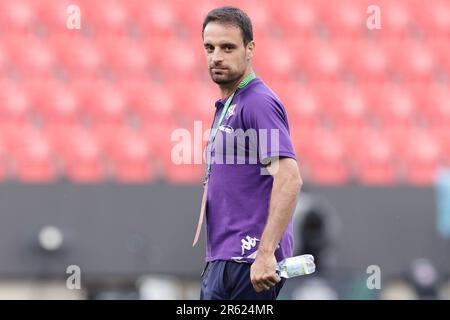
[{"x": 285, "y": 191}]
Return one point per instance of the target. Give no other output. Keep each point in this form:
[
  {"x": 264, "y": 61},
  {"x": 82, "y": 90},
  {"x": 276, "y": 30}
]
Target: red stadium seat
[
  {"x": 393, "y": 105},
  {"x": 184, "y": 174},
  {"x": 181, "y": 60},
  {"x": 433, "y": 18},
  {"x": 4, "y": 60},
  {"x": 3, "y": 161},
  {"x": 192, "y": 19},
  {"x": 319, "y": 60},
  {"x": 345, "y": 17},
  {"x": 343, "y": 104},
  {"x": 421, "y": 157},
  {"x": 352, "y": 107},
  {"x": 19, "y": 16},
  {"x": 168, "y": 138},
  {"x": 107, "y": 17},
  {"x": 31, "y": 56},
  {"x": 263, "y": 25},
  {"x": 33, "y": 158},
  {"x": 10, "y": 132},
  {"x": 436, "y": 104},
  {"x": 126, "y": 57},
  {"x": 414, "y": 61},
  {"x": 106, "y": 133},
  {"x": 373, "y": 156},
  {"x": 301, "y": 133},
  {"x": 277, "y": 65},
  {"x": 327, "y": 162},
  {"x": 15, "y": 104},
  {"x": 154, "y": 102},
  {"x": 192, "y": 106},
  {"x": 396, "y": 18},
  {"x": 442, "y": 134},
  {"x": 296, "y": 18},
  {"x": 441, "y": 50},
  {"x": 85, "y": 166},
  {"x": 154, "y": 18},
  {"x": 79, "y": 55},
  {"x": 52, "y": 15},
  {"x": 302, "y": 103},
  {"x": 56, "y": 102},
  {"x": 367, "y": 60},
  {"x": 81, "y": 153},
  {"x": 103, "y": 102},
  {"x": 61, "y": 137},
  {"x": 132, "y": 158},
  {"x": 160, "y": 135}
]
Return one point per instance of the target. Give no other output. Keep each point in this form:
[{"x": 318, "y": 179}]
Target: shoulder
[{"x": 260, "y": 99}]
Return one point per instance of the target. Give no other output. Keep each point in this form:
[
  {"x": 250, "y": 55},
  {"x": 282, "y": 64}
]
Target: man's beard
[{"x": 231, "y": 78}]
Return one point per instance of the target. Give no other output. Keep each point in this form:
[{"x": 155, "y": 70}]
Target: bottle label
[{"x": 296, "y": 266}]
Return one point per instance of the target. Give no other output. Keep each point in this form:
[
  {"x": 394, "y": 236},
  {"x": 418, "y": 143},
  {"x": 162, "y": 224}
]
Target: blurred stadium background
[{"x": 86, "y": 176}]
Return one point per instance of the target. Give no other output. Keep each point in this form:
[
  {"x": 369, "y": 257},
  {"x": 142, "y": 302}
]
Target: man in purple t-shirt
[{"x": 253, "y": 179}]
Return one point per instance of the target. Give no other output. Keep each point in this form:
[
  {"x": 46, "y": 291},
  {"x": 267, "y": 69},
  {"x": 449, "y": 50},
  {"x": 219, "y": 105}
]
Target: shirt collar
[{"x": 221, "y": 102}]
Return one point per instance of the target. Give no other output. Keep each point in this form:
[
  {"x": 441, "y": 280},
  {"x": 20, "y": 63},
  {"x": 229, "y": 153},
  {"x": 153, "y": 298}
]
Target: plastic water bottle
[{"x": 296, "y": 266}]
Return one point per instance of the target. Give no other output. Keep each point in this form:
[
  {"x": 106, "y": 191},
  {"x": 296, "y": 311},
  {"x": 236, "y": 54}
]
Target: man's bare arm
[
  {"x": 286, "y": 187},
  {"x": 285, "y": 190}
]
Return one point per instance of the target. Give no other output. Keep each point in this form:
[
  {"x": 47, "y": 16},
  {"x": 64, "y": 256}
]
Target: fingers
[
  {"x": 271, "y": 281},
  {"x": 265, "y": 283},
  {"x": 261, "y": 287}
]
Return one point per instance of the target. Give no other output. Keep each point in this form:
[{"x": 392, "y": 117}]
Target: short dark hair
[{"x": 232, "y": 16}]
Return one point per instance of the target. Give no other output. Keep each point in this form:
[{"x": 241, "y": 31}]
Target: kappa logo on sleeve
[{"x": 248, "y": 243}]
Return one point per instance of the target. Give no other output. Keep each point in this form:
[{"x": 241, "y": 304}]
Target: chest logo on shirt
[
  {"x": 230, "y": 111},
  {"x": 226, "y": 129}
]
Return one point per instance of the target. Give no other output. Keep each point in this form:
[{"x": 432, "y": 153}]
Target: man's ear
[{"x": 250, "y": 49}]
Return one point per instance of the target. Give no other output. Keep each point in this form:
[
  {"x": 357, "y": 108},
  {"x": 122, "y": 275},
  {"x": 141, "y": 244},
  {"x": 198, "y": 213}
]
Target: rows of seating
[{"x": 100, "y": 103}]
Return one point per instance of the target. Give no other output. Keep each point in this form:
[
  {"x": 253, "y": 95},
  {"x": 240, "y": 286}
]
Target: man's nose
[{"x": 217, "y": 57}]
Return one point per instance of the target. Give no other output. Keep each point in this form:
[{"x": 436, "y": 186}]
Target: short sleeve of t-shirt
[{"x": 268, "y": 117}]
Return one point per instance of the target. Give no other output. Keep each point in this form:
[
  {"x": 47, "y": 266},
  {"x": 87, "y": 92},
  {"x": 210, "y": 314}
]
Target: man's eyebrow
[
  {"x": 228, "y": 44},
  {"x": 223, "y": 44}
]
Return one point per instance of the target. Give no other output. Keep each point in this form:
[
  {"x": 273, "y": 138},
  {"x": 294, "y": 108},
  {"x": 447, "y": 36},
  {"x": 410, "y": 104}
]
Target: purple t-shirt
[{"x": 254, "y": 129}]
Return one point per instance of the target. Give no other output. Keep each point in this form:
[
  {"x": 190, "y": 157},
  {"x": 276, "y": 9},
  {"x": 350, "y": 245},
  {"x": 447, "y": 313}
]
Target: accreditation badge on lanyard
[{"x": 211, "y": 139}]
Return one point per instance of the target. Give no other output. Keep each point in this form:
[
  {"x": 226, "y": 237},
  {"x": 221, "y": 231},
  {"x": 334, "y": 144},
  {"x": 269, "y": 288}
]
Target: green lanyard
[{"x": 241, "y": 85}]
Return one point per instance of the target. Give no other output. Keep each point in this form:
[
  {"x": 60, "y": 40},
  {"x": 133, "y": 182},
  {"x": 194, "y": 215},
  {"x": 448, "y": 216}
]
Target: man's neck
[{"x": 228, "y": 89}]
